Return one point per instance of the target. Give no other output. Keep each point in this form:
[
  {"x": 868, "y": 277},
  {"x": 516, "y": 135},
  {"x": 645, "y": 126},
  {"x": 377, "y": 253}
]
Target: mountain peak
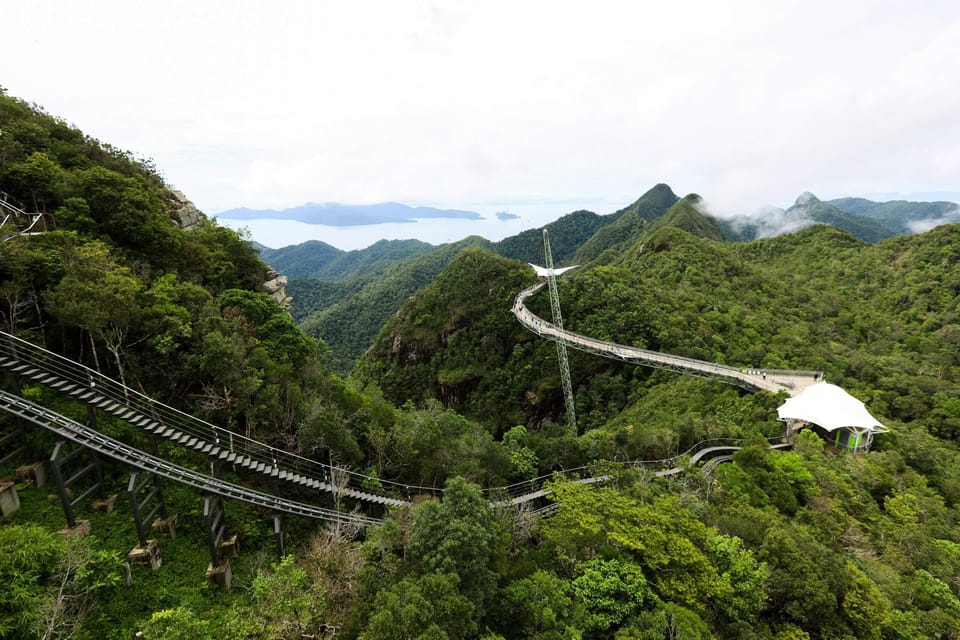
[{"x": 806, "y": 199}]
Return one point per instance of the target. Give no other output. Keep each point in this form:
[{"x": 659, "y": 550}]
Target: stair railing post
[{"x": 61, "y": 489}]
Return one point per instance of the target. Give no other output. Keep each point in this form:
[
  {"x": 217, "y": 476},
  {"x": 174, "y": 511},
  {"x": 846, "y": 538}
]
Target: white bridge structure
[{"x": 754, "y": 379}]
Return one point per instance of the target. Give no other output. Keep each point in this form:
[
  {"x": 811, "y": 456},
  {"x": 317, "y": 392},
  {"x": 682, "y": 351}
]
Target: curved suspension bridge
[
  {"x": 24, "y": 361},
  {"x": 753, "y": 379}
]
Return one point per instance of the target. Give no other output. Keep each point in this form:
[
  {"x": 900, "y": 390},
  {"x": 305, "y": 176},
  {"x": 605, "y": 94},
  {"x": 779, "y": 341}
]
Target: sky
[{"x": 535, "y": 107}]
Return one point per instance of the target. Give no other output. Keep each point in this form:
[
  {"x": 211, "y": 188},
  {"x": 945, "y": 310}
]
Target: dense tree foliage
[
  {"x": 348, "y": 326},
  {"x": 900, "y": 216},
  {"x": 567, "y": 235},
  {"x": 318, "y": 260}
]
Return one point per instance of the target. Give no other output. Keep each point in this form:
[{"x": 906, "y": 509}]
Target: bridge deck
[{"x": 772, "y": 380}]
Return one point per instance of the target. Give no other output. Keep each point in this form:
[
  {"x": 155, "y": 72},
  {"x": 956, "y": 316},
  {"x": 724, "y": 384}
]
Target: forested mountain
[
  {"x": 318, "y": 260},
  {"x": 349, "y": 324},
  {"x": 567, "y": 234},
  {"x": 625, "y": 224},
  {"x": 766, "y": 303},
  {"x": 685, "y": 215},
  {"x": 781, "y": 545},
  {"x": 879, "y": 319},
  {"x": 347, "y": 310},
  {"x": 350, "y": 294},
  {"x": 870, "y": 221},
  {"x": 901, "y": 216}
]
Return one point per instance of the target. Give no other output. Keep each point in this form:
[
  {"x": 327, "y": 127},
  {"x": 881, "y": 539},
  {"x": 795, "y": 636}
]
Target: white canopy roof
[
  {"x": 543, "y": 272},
  {"x": 829, "y": 407}
]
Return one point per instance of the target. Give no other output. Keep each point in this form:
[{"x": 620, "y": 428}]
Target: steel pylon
[{"x": 565, "y": 380}]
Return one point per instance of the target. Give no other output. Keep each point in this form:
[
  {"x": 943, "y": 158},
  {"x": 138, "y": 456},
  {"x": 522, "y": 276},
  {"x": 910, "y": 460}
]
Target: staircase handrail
[
  {"x": 88, "y": 437},
  {"x": 79, "y": 374},
  {"x": 519, "y": 490}
]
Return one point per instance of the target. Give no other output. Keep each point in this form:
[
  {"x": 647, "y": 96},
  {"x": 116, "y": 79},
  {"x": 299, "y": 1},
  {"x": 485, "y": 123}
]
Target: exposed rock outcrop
[
  {"x": 183, "y": 212},
  {"x": 276, "y": 287}
]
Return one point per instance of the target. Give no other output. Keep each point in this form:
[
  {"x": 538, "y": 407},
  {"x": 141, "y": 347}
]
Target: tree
[
  {"x": 38, "y": 180},
  {"x": 457, "y": 536},
  {"x": 523, "y": 460},
  {"x": 539, "y": 607},
  {"x": 98, "y": 295},
  {"x": 51, "y": 583},
  {"x": 286, "y": 604},
  {"x": 25, "y": 268},
  {"x": 428, "y": 607},
  {"x": 611, "y": 592},
  {"x": 178, "y": 624}
]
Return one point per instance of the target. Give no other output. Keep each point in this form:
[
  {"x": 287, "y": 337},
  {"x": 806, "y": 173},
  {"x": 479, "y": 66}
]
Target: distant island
[
  {"x": 344, "y": 215},
  {"x": 506, "y": 215}
]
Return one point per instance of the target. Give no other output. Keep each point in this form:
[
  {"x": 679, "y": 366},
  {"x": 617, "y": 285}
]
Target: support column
[
  {"x": 278, "y": 534},
  {"x": 13, "y": 443},
  {"x": 278, "y": 524},
  {"x": 218, "y": 571},
  {"x": 59, "y": 462},
  {"x": 9, "y": 499}
]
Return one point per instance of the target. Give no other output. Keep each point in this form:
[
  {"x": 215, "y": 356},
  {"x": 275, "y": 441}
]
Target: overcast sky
[{"x": 491, "y": 105}]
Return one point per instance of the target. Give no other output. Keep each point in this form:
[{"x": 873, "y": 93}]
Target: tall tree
[{"x": 98, "y": 295}]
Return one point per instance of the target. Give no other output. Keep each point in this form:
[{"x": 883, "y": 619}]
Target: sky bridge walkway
[
  {"x": 753, "y": 379},
  {"x": 28, "y": 362},
  {"x": 202, "y": 482}
]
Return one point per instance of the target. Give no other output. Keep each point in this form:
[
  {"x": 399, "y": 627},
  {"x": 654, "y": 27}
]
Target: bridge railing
[
  {"x": 744, "y": 375},
  {"x": 534, "y": 486},
  {"x": 11, "y": 209},
  {"x": 88, "y": 437},
  {"x": 30, "y": 355}
]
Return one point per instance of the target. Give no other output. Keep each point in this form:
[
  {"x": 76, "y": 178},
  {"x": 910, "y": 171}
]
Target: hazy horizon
[{"x": 277, "y": 233}]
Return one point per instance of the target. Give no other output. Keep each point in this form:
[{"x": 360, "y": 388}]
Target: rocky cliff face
[
  {"x": 183, "y": 212},
  {"x": 186, "y": 216},
  {"x": 276, "y": 287}
]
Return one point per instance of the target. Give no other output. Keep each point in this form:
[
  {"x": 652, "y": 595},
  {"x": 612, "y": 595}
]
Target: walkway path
[
  {"x": 772, "y": 380},
  {"x": 30, "y": 362}
]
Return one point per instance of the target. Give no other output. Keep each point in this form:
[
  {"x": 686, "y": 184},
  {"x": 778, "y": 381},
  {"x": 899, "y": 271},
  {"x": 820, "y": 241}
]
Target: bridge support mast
[{"x": 561, "y": 347}]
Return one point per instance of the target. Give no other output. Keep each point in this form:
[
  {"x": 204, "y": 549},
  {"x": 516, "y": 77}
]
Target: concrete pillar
[
  {"x": 219, "y": 576},
  {"x": 105, "y": 505},
  {"x": 34, "y": 474},
  {"x": 147, "y": 555},
  {"x": 230, "y": 546},
  {"x": 9, "y": 500},
  {"x": 166, "y": 526},
  {"x": 80, "y": 528}
]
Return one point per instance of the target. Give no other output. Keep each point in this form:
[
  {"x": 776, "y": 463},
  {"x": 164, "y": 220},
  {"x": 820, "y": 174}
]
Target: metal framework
[
  {"x": 30, "y": 362},
  {"x": 23, "y": 223},
  {"x": 12, "y": 443},
  {"x": 565, "y": 380},
  {"x": 152, "y": 503},
  {"x": 60, "y": 461},
  {"x": 751, "y": 379},
  {"x": 106, "y": 446},
  {"x": 215, "y": 524}
]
